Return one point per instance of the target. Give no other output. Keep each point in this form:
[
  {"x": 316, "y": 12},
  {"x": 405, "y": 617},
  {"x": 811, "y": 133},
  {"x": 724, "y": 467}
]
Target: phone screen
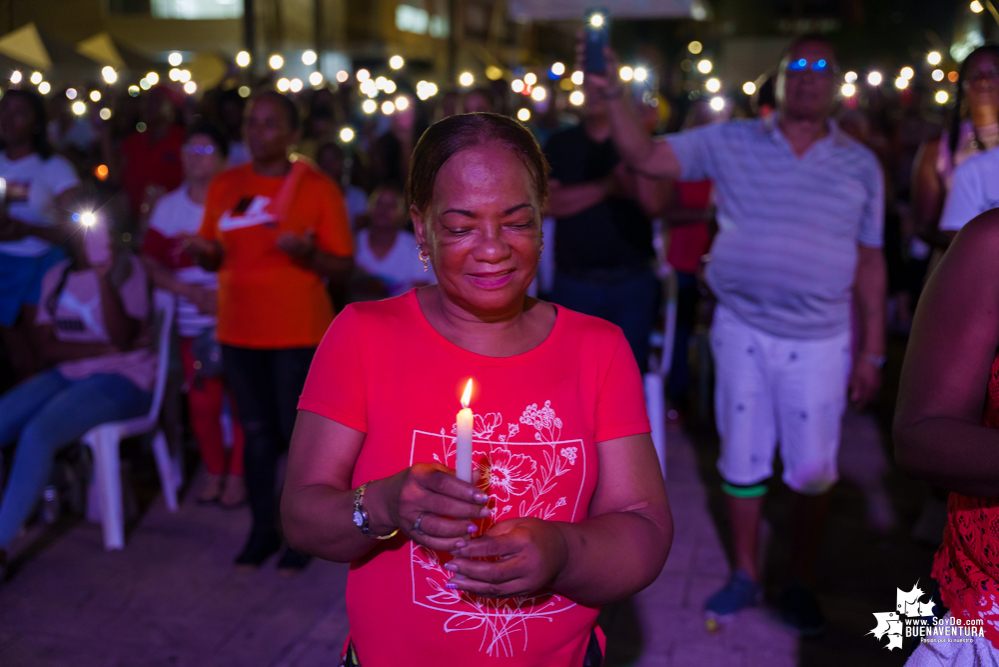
[
  {"x": 597, "y": 38},
  {"x": 97, "y": 243}
]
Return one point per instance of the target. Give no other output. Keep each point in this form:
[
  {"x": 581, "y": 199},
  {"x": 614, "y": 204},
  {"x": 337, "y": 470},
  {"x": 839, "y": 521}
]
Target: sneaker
[
  {"x": 292, "y": 563},
  {"x": 800, "y": 610},
  {"x": 739, "y": 593},
  {"x": 259, "y": 548},
  {"x": 234, "y": 493}
]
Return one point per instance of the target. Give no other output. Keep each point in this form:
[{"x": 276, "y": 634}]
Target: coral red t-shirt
[{"x": 384, "y": 370}]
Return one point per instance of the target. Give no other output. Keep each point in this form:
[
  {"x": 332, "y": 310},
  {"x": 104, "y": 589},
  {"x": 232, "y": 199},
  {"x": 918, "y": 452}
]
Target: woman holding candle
[{"x": 567, "y": 493}]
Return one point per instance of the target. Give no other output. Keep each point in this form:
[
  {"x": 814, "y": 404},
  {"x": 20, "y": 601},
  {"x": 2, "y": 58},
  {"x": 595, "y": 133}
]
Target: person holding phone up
[
  {"x": 93, "y": 324},
  {"x": 801, "y": 226},
  {"x": 274, "y": 229},
  {"x": 40, "y": 190}
]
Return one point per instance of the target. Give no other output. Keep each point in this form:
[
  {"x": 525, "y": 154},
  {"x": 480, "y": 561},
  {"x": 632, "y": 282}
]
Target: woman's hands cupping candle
[{"x": 465, "y": 421}]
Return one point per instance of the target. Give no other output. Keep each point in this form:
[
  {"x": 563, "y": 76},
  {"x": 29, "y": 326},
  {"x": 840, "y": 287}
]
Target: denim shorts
[{"x": 21, "y": 281}]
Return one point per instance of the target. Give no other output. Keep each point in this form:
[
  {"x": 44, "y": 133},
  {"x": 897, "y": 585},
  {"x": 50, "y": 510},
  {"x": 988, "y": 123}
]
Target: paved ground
[{"x": 172, "y": 598}]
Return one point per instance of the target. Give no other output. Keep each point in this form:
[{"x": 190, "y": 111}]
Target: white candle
[{"x": 463, "y": 456}]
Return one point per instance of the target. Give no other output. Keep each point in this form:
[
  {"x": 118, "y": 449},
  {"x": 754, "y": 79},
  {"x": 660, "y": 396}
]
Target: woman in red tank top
[{"x": 945, "y": 432}]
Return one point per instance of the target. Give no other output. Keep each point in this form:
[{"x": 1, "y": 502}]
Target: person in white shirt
[
  {"x": 975, "y": 191},
  {"x": 387, "y": 262},
  {"x": 177, "y": 214},
  {"x": 41, "y": 195}
]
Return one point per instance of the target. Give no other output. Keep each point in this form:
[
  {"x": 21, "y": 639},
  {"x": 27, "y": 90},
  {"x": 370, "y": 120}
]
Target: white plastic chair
[
  {"x": 659, "y": 368},
  {"x": 104, "y": 440}
]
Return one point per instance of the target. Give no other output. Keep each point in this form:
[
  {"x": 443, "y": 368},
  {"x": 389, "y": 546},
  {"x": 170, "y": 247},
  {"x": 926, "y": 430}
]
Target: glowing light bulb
[
  {"x": 713, "y": 85},
  {"x": 907, "y": 73},
  {"x": 530, "y": 78},
  {"x": 342, "y": 76},
  {"x": 363, "y": 75},
  {"x": 276, "y": 62},
  {"x": 848, "y": 90},
  {"x": 704, "y": 66},
  {"x": 144, "y": 84},
  {"x": 105, "y": 114},
  {"x": 538, "y": 94},
  {"x": 576, "y": 98},
  {"x": 850, "y": 77},
  {"x": 316, "y": 79},
  {"x": 153, "y": 78},
  {"x": 388, "y": 108},
  {"x": 976, "y": 7},
  {"x": 95, "y": 96},
  {"x": 874, "y": 78},
  {"x": 933, "y": 57},
  {"x": 244, "y": 91},
  {"x": 597, "y": 20},
  {"x": 558, "y": 69},
  {"x": 295, "y": 85},
  {"x": 309, "y": 57},
  {"x": 626, "y": 73},
  {"x": 346, "y": 135},
  {"x": 175, "y": 59},
  {"x": 717, "y": 103},
  {"x": 174, "y": 74},
  {"x": 369, "y": 106},
  {"x": 577, "y": 78},
  {"x": 402, "y": 103},
  {"x": 396, "y": 62},
  {"x": 941, "y": 97},
  {"x": 524, "y": 115},
  {"x": 937, "y": 75},
  {"x": 749, "y": 87},
  {"x": 88, "y": 219},
  {"x": 517, "y": 85},
  {"x": 466, "y": 79},
  {"x": 283, "y": 85},
  {"x": 71, "y": 93},
  {"x": 184, "y": 76},
  {"x": 190, "y": 87},
  {"x": 79, "y": 108},
  {"x": 36, "y": 78},
  {"x": 390, "y": 87},
  {"x": 901, "y": 83},
  {"x": 44, "y": 87},
  {"x": 243, "y": 58},
  {"x": 695, "y": 47},
  {"x": 15, "y": 77}
]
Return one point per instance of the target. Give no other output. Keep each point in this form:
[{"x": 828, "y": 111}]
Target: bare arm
[
  {"x": 317, "y": 504},
  {"x": 54, "y": 351},
  {"x": 870, "y": 291},
  {"x": 122, "y": 329},
  {"x": 568, "y": 200},
  {"x": 303, "y": 248},
  {"x": 206, "y": 254},
  {"x": 938, "y": 433},
  {"x": 619, "y": 550}
]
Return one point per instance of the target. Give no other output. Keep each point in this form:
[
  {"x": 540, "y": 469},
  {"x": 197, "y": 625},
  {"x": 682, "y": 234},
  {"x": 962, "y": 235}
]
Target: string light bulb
[
  {"x": 243, "y": 58},
  {"x": 175, "y": 59},
  {"x": 524, "y": 115}
]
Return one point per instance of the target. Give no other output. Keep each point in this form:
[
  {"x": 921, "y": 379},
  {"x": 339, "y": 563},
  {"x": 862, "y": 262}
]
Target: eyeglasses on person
[
  {"x": 820, "y": 66},
  {"x": 199, "y": 150}
]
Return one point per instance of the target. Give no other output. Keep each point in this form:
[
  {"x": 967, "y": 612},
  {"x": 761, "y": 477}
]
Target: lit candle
[{"x": 463, "y": 457}]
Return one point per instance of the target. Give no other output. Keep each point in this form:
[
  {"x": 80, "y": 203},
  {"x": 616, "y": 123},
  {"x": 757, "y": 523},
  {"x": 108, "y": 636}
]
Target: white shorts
[{"x": 786, "y": 390}]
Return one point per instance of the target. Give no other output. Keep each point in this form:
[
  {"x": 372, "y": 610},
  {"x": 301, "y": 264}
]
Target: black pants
[{"x": 266, "y": 384}]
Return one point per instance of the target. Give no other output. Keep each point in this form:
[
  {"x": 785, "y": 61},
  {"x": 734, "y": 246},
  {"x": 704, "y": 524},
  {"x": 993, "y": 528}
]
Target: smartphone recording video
[
  {"x": 96, "y": 239},
  {"x": 597, "y": 39}
]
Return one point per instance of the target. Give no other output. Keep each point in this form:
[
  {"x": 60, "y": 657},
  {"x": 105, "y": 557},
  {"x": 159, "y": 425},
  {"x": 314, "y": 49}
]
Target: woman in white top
[
  {"x": 42, "y": 190},
  {"x": 176, "y": 215},
  {"x": 387, "y": 262}
]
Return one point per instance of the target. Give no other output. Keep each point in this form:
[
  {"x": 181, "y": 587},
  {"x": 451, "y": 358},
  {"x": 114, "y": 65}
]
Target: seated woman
[
  {"x": 386, "y": 259},
  {"x": 93, "y": 327},
  {"x": 568, "y": 511},
  {"x": 946, "y": 433}
]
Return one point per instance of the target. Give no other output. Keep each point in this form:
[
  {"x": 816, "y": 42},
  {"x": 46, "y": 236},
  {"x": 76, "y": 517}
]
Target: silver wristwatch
[{"x": 361, "y": 516}]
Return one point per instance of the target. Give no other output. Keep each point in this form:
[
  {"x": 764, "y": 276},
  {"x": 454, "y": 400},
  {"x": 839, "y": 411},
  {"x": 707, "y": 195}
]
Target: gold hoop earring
[{"x": 423, "y": 258}]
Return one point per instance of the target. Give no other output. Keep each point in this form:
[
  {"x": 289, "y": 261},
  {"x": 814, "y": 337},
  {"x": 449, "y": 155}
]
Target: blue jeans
[
  {"x": 629, "y": 303},
  {"x": 44, "y": 414}
]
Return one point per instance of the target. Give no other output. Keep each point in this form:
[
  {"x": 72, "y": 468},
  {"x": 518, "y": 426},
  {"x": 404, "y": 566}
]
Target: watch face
[{"x": 358, "y": 519}]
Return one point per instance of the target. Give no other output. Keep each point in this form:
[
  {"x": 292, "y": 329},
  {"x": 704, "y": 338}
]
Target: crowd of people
[{"x": 811, "y": 229}]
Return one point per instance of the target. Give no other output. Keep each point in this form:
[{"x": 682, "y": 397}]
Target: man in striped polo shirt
[{"x": 800, "y": 209}]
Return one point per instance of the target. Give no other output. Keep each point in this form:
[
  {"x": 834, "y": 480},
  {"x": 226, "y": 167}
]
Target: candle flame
[{"x": 466, "y": 397}]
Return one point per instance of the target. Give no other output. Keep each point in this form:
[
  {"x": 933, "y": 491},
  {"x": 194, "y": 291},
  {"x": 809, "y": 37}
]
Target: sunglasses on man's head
[{"x": 822, "y": 66}]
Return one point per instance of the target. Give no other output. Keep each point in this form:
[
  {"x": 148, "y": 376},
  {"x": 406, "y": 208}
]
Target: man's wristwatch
[
  {"x": 878, "y": 361},
  {"x": 361, "y": 516}
]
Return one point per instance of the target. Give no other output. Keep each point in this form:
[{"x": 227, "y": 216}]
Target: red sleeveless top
[{"x": 967, "y": 563}]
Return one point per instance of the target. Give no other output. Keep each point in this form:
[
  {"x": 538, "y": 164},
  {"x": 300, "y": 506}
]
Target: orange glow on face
[
  {"x": 101, "y": 172},
  {"x": 466, "y": 397}
]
